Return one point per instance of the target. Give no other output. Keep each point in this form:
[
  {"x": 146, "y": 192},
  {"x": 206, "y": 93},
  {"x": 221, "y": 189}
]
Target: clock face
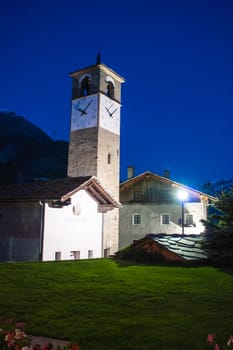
[
  {"x": 109, "y": 114},
  {"x": 84, "y": 112}
]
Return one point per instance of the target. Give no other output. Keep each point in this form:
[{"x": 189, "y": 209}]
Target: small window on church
[
  {"x": 75, "y": 254},
  {"x": 109, "y": 158},
  {"x": 76, "y": 208},
  {"x": 110, "y": 90},
  {"x": 57, "y": 256},
  {"x": 90, "y": 254},
  {"x": 85, "y": 86}
]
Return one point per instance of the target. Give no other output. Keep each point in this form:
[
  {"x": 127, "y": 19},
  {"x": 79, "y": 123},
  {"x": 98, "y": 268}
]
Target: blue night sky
[{"x": 176, "y": 57}]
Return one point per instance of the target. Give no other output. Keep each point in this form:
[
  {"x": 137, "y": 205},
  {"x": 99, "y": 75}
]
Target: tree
[{"x": 218, "y": 242}]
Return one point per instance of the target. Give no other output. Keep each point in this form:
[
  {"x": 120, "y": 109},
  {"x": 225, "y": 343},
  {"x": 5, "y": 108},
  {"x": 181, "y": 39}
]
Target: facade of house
[
  {"x": 151, "y": 205},
  {"x": 54, "y": 220}
]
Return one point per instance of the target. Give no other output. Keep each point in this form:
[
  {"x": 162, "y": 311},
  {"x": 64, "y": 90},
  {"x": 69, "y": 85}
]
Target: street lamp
[{"x": 182, "y": 195}]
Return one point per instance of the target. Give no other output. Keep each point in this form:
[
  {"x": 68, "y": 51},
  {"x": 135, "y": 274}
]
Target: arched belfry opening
[
  {"x": 110, "y": 89},
  {"x": 85, "y": 86}
]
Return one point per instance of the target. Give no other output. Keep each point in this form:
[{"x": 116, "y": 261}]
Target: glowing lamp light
[{"x": 182, "y": 195}]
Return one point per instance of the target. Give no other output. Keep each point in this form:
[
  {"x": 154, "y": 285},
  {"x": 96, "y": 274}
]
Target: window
[
  {"x": 137, "y": 219},
  {"x": 75, "y": 254},
  {"x": 90, "y": 254},
  {"x": 164, "y": 195},
  {"x": 189, "y": 219},
  {"x": 165, "y": 219},
  {"x": 109, "y": 158},
  {"x": 57, "y": 256},
  {"x": 137, "y": 195},
  {"x": 76, "y": 209}
]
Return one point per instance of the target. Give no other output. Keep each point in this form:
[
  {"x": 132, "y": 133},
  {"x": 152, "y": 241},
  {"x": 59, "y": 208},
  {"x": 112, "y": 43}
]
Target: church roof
[{"x": 57, "y": 190}]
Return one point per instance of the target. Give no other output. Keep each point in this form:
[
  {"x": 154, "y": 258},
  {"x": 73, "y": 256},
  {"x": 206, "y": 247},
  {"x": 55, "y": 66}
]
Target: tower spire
[{"x": 98, "y": 57}]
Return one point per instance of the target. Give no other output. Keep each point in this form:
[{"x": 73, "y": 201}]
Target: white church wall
[{"x": 73, "y": 228}]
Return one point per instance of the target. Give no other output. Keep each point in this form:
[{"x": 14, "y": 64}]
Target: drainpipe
[
  {"x": 42, "y": 215},
  {"x": 102, "y": 238}
]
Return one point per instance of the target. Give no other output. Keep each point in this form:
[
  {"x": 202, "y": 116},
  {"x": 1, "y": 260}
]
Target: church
[
  {"x": 82, "y": 216},
  {"x": 76, "y": 217}
]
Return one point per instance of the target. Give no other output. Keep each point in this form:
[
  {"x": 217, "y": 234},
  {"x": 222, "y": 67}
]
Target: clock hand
[
  {"x": 79, "y": 109},
  {"x": 82, "y": 111},
  {"x": 87, "y": 106},
  {"x": 107, "y": 110},
  {"x": 111, "y": 113}
]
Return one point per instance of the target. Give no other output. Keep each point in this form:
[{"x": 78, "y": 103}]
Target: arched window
[
  {"x": 85, "y": 86},
  {"x": 109, "y": 158},
  {"x": 110, "y": 89}
]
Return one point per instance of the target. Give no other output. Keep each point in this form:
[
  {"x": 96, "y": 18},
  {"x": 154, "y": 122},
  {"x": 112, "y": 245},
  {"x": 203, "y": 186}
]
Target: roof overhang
[
  {"x": 101, "y": 67},
  {"x": 98, "y": 193},
  {"x": 148, "y": 175}
]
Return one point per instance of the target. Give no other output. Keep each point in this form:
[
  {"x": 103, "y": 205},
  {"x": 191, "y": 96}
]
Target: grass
[{"x": 104, "y": 305}]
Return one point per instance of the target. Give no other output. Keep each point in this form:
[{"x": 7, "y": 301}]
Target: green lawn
[{"x": 105, "y": 305}]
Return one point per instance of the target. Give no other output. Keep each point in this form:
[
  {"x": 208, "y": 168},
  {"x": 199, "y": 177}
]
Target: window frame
[
  {"x": 163, "y": 216},
  {"x": 135, "y": 218},
  {"x": 90, "y": 254},
  {"x": 137, "y": 195},
  {"x": 57, "y": 255},
  {"x": 75, "y": 254},
  {"x": 187, "y": 221}
]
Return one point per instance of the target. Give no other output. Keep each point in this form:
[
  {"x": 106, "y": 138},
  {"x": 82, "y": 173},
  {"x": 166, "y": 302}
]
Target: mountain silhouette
[{"x": 27, "y": 153}]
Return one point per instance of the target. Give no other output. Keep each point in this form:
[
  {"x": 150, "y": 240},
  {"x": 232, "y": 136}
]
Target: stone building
[{"x": 151, "y": 205}]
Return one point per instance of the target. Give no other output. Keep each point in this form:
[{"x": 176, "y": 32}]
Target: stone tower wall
[
  {"x": 108, "y": 161},
  {"x": 82, "y": 159}
]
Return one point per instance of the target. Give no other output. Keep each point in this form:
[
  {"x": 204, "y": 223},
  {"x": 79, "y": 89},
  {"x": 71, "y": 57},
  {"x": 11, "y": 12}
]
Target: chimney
[
  {"x": 166, "y": 174},
  {"x": 130, "y": 172}
]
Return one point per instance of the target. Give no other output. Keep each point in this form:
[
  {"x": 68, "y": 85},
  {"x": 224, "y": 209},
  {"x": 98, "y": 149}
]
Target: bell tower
[{"x": 94, "y": 147}]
